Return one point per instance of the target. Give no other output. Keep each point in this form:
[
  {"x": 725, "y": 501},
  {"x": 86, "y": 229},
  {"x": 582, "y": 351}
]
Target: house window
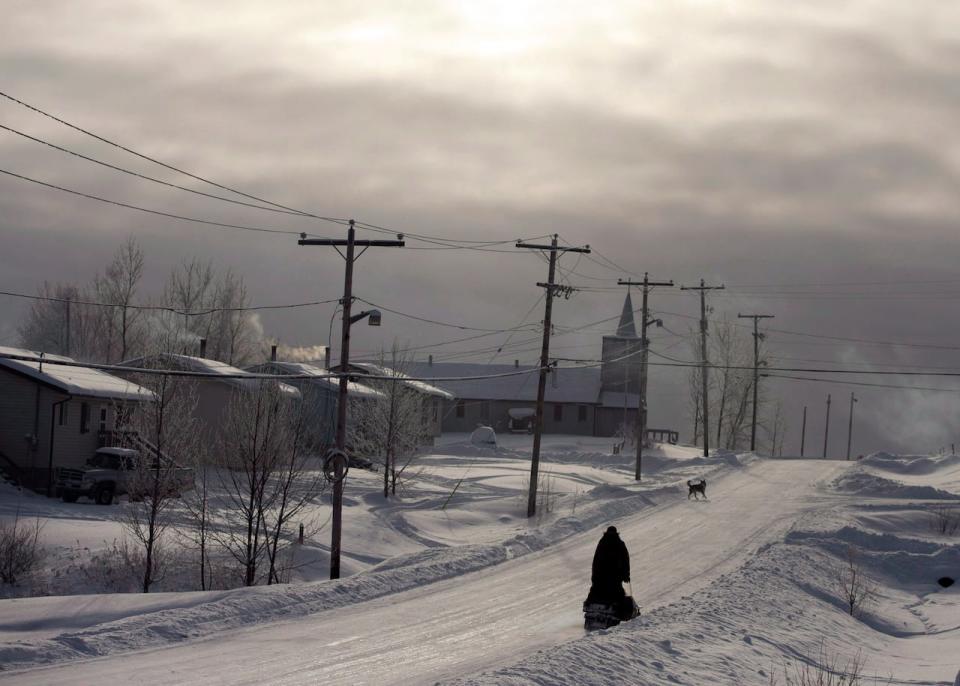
[
  {"x": 461, "y": 409},
  {"x": 582, "y": 413},
  {"x": 84, "y": 418},
  {"x": 62, "y": 414},
  {"x": 558, "y": 412},
  {"x": 103, "y": 418}
]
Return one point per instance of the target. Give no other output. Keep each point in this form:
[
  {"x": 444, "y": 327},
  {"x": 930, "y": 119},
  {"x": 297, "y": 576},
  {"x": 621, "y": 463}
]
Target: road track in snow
[{"x": 491, "y": 617}]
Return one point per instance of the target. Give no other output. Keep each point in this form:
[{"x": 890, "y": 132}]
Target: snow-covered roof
[
  {"x": 564, "y": 384},
  {"x": 421, "y": 386},
  {"x": 215, "y": 368},
  {"x": 321, "y": 377},
  {"x": 78, "y": 381}
]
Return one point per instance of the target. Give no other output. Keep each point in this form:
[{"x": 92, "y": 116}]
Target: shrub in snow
[
  {"x": 119, "y": 567},
  {"x": 20, "y": 550},
  {"x": 945, "y": 520},
  {"x": 854, "y": 587},
  {"x": 826, "y": 670}
]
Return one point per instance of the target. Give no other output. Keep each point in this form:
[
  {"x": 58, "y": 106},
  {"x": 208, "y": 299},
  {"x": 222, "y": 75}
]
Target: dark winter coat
[{"x": 611, "y": 567}]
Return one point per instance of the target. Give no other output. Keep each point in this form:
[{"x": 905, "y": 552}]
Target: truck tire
[
  {"x": 69, "y": 496},
  {"x": 104, "y": 495}
]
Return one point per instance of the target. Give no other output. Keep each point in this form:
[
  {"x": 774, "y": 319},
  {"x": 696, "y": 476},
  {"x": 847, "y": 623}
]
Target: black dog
[{"x": 699, "y": 486}]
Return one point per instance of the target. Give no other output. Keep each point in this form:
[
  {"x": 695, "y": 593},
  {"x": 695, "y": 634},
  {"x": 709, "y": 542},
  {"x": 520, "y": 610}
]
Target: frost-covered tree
[
  {"x": 391, "y": 428},
  {"x": 265, "y": 476},
  {"x": 730, "y": 385},
  {"x": 120, "y": 326},
  {"x": 211, "y": 306},
  {"x": 164, "y": 432}
]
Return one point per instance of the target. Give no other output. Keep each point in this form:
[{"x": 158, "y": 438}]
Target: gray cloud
[{"x": 743, "y": 142}]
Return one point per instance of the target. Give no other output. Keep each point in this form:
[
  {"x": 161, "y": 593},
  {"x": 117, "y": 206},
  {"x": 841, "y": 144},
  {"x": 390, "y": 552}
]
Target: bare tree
[
  {"x": 121, "y": 332},
  {"x": 264, "y": 475},
  {"x": 297, "y": 483},
  {"x": 163, "y": 431},
  {"x": 855, "y": 588},
  {"x": 731, "y": 385},
  {"x": 777, "y": 429},
  {"x": 57, "y": 322},
  {"x": 197, "y": 503},
  {"x": 20, "y": 549},
  {"x": 213, "y": 308},
  {"x": 392, "y": 427}
]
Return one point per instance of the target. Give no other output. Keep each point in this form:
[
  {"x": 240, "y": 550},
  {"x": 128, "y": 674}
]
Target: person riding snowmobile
[{"x": 610, "y": 570}]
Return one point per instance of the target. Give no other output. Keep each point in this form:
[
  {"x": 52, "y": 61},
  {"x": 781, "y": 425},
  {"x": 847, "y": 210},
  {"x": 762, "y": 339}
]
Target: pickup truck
[{"x": 112, "y": 472}]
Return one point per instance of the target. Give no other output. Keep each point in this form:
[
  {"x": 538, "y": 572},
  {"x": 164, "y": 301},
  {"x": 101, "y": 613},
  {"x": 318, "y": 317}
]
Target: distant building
[
  {"x": 320, "y": 394},
  {"x": 589, "y": 401},
  {"x": 54, "y": 416},
  {"x": 432, "y": 397},
  {"x": 215, "y": 391}
]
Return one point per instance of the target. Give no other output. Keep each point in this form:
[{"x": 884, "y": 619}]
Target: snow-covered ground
[{"x": 463, "y": 587}]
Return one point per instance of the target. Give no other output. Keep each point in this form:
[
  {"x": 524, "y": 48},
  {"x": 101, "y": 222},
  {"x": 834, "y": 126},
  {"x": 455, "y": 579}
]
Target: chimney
[
  {"x": 516, "y": 364},
  {"x": 273, "y": 353},
  {"x": 326, "y": 358},
  {"x": 430, "y": 360},
  {"x": 203, "y": 347}
]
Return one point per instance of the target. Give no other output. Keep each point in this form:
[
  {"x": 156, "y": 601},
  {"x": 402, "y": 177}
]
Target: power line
[
  {"x": 434, "y": 321},
  {"x": 149, "y": 211},
  {"x": 168, "y": 308},
  {"x": 148, "y": 178},
  {"x": 163, "y": 164},
  {"x": 249, "y": 196},
  {"x": 862, "y": 383}
]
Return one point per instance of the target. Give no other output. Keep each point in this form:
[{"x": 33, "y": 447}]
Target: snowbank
[
  {"x": 780, "y": 610},
  {"x": 860, "y": 482},
  {"x": 912, "y": 464},
  {"x": 244, "y": 607}
]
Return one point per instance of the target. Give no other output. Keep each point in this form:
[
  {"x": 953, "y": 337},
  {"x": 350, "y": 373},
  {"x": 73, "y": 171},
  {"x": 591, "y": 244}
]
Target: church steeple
[{"x": 626, "y": 327}]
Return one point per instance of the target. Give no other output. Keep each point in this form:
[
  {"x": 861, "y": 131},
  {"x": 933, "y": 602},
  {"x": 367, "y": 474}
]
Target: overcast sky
[{"x": 804, "y": 154}]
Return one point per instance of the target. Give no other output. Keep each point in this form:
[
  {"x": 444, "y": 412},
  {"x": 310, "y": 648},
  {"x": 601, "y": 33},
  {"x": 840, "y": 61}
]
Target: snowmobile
[{"x": 598, "y": 615}]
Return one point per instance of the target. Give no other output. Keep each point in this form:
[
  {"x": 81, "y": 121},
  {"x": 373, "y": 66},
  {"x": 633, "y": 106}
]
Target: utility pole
[
  {"x": 551, "y": 290},
  {"x": 645, "y": 321},
  {"x": 853, "y": 399},
  {"x": 341, "y": 437},
  {"x": 826, "y": 428},
  {"x": 757, "y": 336},
  {"x": 703, "y": 288},
  {"x": 66, "y": 344},
  {"x": 803, "y": 431}
]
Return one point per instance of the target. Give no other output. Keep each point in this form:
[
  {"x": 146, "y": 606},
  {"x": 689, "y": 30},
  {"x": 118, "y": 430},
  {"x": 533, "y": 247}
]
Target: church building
[{"x": 595, "y": 400}]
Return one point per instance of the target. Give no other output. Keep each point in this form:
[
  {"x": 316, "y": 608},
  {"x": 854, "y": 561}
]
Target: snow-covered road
[{"x": 491, "y": 617}]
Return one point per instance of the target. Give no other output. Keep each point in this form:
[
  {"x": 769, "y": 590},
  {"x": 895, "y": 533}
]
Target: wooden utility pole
[
  {"x": 551, "y": 289},
  {"x": 66, "y": 344},
  {"x": 703, "y": 288},
  {"x": 803, "y": 431},
  {"x": 645, "y": 321},
  {"x": 853, "y": 399},
  {"x": 826, "y": 428},
  {"x": 757, "y": 336},
  {"x": 341, "y": 437}
]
